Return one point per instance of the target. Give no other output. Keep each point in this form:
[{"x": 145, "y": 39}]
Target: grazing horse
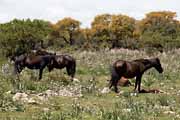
[
  {"x": 131, "y": 69},
  {"x": 60, "y": 62},
  {"x": 64, "y": 61},
  {"x": 32, "y": 62}
]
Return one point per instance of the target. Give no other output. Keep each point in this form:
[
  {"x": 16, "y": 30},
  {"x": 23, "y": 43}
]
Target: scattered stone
[
  {"x": 127, "y": 110},
  {"x": 161, "y": 84},
  {"x": 65, "y": 92},
  {"x": 75, "y": 80},
  {"x": 33, "y": 98},
  {"x": 50, "y": 93},
  {"x": 32, "y": 101},
  {"x": 45, "y": 109},
  {"x": 169, "y": 112},
  {"x": 8, "y": 92},
  {"x": 133, "y": 94},
  {"x": 22, "y": 97},
  {"x": 177, "y": 116},
  {"x": 105, "y": 90},
  {"x": 171, "y": 88}
]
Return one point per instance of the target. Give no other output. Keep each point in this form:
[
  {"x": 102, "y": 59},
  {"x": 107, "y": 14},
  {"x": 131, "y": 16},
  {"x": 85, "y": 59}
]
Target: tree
[
  {"x": 122, "y": 29},
  {"x": 19, "y": 36},
  {"x": 100, "y": 29},
  {"x": 67, "y": 29},
  {"x": 158, "y": 29},
  {"x": 87, "y": 36}
]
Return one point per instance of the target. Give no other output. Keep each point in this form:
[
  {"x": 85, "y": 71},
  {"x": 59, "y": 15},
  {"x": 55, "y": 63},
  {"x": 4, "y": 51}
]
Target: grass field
[{"x": 55, "y": 97}]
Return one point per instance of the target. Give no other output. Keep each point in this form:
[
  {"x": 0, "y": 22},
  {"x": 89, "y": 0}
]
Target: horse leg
[
  {"x": 114, "y": 80},
  {"x": 110, "y": 84},
  {"x": 71, "y": 72},
  {"x": 40, "y": 73},
  {"x": 135, "y": 84},
  {"x": 138, "y": 82},
  {"x": 116, "y": 85}
]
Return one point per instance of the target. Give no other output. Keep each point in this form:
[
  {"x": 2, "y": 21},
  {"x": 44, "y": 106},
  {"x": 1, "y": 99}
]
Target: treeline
[{"x": 158, "y": 30}]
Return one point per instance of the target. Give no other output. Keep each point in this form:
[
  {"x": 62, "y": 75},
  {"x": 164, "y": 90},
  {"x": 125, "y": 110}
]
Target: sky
[{"x": 82, "y": 10}]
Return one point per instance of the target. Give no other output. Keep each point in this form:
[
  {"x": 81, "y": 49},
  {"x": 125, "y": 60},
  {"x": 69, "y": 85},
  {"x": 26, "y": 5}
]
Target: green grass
[{"x": 93, "y": 73}]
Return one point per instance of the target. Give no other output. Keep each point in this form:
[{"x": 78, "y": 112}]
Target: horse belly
[
  {"x": 33, "y": 66},
  {"x": 59, "y": 66},
  {"x": 130, "y": 74}
]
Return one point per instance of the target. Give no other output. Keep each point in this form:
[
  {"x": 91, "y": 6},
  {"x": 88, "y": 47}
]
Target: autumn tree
[
  {"x": 159, "y": 29},
  {"x": 122, "y": 28},
  {"x": 115, "y": 30},
  {"x": 87, "y": 37},
  {"x": 67, "y": 29},
  {"x": 100, "y": 29}
]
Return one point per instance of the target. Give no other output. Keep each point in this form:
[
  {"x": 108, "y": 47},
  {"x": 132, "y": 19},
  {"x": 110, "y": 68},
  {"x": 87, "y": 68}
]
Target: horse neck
[{"x": 148, "y": 66}]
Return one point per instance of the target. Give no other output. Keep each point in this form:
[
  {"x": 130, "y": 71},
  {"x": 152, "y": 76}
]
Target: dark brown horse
[
  {"x": 64, "y": 61},
  {"x": 32, "y": 62},
  {"x": 60, "y": 62},
  {"x": 131, "y": 69}
]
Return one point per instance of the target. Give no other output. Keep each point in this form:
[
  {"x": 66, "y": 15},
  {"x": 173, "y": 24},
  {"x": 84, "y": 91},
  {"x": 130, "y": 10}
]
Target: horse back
[
  {"x": 128, "y": 69},
  {"x": 63, "y": 61},
  {"x": 38, "y": 59}
]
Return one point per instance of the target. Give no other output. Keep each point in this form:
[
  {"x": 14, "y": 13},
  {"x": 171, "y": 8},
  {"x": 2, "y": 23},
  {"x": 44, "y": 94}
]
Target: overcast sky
[{"x": 82, "y": 10}]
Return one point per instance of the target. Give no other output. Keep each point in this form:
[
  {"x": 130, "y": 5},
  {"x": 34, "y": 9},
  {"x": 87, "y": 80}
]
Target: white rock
[
  {"x": 133, "y": 94},
  {"x": 8, "y": 92},
  {"x": 22, "y": 97},
  {"x": 127, "y": 110},
  {"x": 32, "y": 101},
  {"x": 76, "y": 80},
  {"x": 105, "y": 90},
  {"x": 45, "y": 109},
  {"x": 169, "y": 112},
  {"x": 50, "y": 93},
  {"x": 65, "y": 92},
  {"x": 121, "y": 92},
  {"x": 42, "y": 98}
]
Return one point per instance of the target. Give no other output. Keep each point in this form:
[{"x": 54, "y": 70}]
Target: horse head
[{"x": 158, "y": 65}]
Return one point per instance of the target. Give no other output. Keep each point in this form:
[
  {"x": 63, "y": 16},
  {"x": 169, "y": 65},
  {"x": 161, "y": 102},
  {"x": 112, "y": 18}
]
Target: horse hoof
[{"x": 116, "y": 91}]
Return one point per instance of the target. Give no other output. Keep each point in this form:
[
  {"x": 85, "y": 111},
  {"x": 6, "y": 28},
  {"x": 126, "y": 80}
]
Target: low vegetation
[{"x": 55, "y": 97}]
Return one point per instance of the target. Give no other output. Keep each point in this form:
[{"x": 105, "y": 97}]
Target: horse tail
[
  {"x": 114, "y": 76},
  {"x": 74, "y": 68},
  {"x": 71, "y": 68}
]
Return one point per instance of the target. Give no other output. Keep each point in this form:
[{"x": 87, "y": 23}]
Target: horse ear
[
  {"x": 124, "y": 65},
  {"x": 157, "y": 59}
]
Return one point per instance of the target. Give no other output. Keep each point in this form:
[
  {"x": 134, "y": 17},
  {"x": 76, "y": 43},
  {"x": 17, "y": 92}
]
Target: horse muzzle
[{"x": 161, "y": 71}]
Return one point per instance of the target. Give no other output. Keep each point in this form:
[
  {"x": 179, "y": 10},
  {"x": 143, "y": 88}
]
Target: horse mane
[{"x": 144, "y": 61}]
